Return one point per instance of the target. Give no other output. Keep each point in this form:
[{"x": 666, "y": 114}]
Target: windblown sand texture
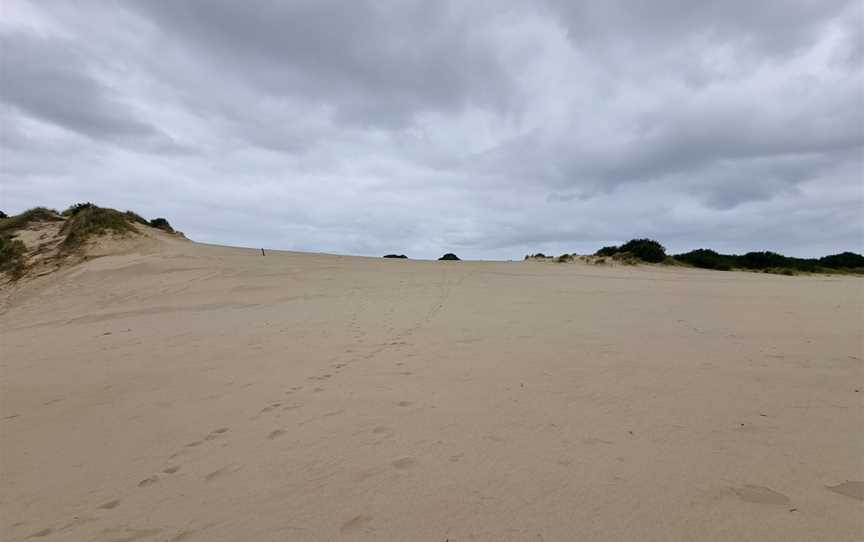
[{"x": 175, "y": 391}]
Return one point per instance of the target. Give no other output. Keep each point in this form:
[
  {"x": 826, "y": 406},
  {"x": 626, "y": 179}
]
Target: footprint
[
  {"x": 404, "y": 463},
  {"x": 355, "y": 524},
  {"x": 292, "y": 406},
  {"x": 221, "y": 472},
  {"x": 276, "y": 434},
  {"x": 760, "y": 495},
  {"x": 404, "y": 403},
  {"x": 110, "y": 505},
  {"x": 149, "y": 481},
  {"x": 216, "y": 433},
  {"x": 182, "y": 535},
  {"x": 43, "y": 532},
  {"x": 171, "y": 470},
  {"x": 852, "y": 488},
  {"x": 196, "y": 443}
]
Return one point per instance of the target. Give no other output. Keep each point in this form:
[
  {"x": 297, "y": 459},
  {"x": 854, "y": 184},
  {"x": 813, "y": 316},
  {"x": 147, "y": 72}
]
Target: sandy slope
[{"x": 201, "y": 393}]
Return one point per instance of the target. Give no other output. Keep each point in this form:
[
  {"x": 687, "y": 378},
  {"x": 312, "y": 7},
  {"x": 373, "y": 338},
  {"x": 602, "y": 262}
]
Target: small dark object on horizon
[
  {"x": 449, "y": 257},
  {"x": 401, "y": 256},
  {"x": 3, "y": 215},
  {"x": 262, "y": 252}
]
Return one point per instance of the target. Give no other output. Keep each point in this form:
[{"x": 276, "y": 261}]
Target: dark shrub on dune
[
  {"x": 707, "y": 259},
  {"x": 844, "y": 260},
  {"x": 607, "y": 251},
  {"x": 3, "y": 215},
  {"x": 564, "y": 258},
  {"x": 162, "y": 224},
  {"x": 449, "y": 257},
  {"x": 647, "y": 250},
  {"x": 401, "y": 256}
]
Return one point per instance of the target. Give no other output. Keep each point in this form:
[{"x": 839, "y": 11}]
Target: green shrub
[
  {"x": 400, "y": 256},
  {"x": 626, "y": 258},
  {"x": 449, "y": 256},
  {"x": 646, "y": 250},
  {"x": 93, "y": 220},
  {"x": 73, "y": 210},
  {"x": 12, "y": 257},
  {"x": 3, "y": 215},
  {"x": 844, "y": 260},
  {"x": 162, "y": 224},
  {"x": 706, "y": 259},
  {"x": 564, "y": 258},
  {"x": 607, "y": 251}
]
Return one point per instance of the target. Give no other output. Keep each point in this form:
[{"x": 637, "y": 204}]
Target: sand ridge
[{"x": 180, "y": 391}]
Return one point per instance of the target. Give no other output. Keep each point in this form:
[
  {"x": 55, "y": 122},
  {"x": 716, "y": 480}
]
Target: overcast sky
[{"x": 489, "y": 129}]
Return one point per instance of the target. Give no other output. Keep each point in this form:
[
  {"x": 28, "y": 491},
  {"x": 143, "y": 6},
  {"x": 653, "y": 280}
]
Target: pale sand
[{"x": 201, "y": 393}]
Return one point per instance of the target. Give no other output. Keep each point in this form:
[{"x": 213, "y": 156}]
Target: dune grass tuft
[
  {"x": 93, "y": 220},
  {"x": 12, "y": 257},
  {"x": 9, "y": 226}
]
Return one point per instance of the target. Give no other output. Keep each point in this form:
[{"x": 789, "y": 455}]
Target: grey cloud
[
  {"x": 371, "y": 62},
  {"x": 780, "y": 27},
  {"x": 48, "y": 79},
  {"x": 491, "y": 128}
]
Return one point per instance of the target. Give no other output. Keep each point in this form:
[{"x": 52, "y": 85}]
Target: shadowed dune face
[{"x": 177, "y": 391}]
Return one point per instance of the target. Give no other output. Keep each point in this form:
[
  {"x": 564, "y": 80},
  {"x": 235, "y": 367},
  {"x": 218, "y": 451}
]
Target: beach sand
[{"x": 187, "y": 392}]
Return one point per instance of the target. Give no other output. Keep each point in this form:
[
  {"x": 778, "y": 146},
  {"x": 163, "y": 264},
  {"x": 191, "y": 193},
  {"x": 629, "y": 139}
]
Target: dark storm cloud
[
  {"x": 49, "y": 80},
  {"x": 497, "y": 128},
  {"x": 373, "y": 62}
]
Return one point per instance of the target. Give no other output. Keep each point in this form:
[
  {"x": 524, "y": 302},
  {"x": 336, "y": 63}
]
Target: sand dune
[{"x": 178, "y": 391}]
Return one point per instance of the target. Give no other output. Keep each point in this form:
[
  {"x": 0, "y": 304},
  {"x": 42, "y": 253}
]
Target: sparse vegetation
[
  {"x": 564, "y": 258},
  {"x": 80, "y": 222},
  {"x": 3, "y": 215},
  {"x": 162, "y": 224},
  {"x": 401, "y": 256},
  {"x": 12, "y": 257},
  {"x": 135, "y": 217},
  {"x": 73, "y": 210},
  {"x": 92, "y": 220},
  {"x": 449, "y": 257},
  {"x": 37, "y": 214}
]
